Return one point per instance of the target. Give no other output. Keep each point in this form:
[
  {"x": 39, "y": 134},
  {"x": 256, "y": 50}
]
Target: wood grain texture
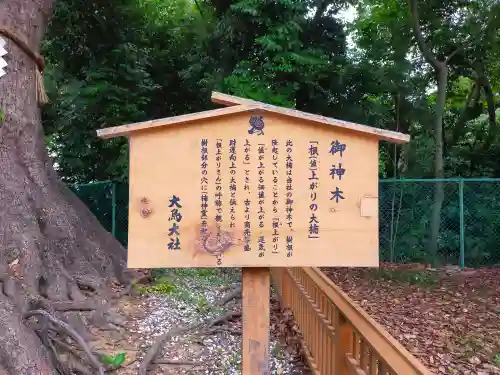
[
  {"x": 167, "y": 161},
  {"x": 256, "y": 293}
]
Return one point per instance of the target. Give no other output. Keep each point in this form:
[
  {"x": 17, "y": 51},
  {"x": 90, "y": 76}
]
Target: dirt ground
[
  {"x": 148, "y": 316},
  {"x": 449, "y": 319}
]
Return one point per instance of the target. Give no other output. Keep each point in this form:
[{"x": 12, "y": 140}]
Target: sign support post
[{"x": 256, "y": 286}]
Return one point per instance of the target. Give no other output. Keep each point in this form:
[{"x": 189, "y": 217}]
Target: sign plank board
[{"x": 252, "y": 185}]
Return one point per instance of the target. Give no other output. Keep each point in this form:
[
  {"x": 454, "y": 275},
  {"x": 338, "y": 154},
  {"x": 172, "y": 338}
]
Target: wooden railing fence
[{"x": 339, "y": 338}]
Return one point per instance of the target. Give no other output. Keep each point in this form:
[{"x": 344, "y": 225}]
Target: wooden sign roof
[{"x": 239, "y": 105}]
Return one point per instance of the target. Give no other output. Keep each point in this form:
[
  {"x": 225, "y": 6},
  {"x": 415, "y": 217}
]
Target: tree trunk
[
  {"x": 441, "y": 69},
  {"x": 61, "y": 249},
  {"x": 438, "y": 162}
]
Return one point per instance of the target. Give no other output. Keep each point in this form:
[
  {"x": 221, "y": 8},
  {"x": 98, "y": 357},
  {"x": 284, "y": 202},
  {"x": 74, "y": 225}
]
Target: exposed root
[
  {"x": 156, "y": 348},
  {"x": 208, "y": 328},
  {"x": 65, "y": 346},
  {"x": 129, "y": 288},
  {"x": 55, "y": 357},
  {"x": 233, "y": 294},
  {"x": 85, "y": 305},
  {"x": 177, "y": 363},
  {"x": 211, "y": 331},
  {"x": 224, "y": 318},
  {"x": 19, "y": 341},
  {"x": 71, "y": 332}
]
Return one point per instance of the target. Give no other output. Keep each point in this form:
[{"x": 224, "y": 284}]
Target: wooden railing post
[{"x": 344, "y": 343}]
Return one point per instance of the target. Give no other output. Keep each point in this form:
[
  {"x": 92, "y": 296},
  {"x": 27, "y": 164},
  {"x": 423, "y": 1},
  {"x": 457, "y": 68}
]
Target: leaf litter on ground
[{"x": 448, "y": 318}]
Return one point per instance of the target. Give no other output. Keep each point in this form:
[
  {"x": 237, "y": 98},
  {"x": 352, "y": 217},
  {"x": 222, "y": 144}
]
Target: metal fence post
[
  {"x": 462, "y": 222},
  {"x": 113, "y": 209}
]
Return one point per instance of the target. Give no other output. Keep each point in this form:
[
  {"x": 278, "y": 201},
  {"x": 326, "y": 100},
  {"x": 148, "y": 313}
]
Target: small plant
[
  {"x": 203, "y": 305},
  {"x": 162, "y": 285},
  {"x": 114, "y": 361},
  {"x": 471, "y": 344},
  {"x": 162, "y": 288},
  {"x": 277, "y": 352},
  {"x": 197, "y": 272}
]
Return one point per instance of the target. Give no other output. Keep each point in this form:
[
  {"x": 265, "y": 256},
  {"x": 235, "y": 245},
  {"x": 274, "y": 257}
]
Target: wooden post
[
  {"x": 343, "y": 344},
  {"x": 256, "y": 295}
]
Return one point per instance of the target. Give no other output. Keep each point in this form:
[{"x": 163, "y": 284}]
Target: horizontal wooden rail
[{"x": 339, "y": 338}]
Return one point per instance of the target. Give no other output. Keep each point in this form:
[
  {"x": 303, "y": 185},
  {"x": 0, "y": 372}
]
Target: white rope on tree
[
  {"x": 3, "y": 52},
  {"x": 33, "y": 55}
]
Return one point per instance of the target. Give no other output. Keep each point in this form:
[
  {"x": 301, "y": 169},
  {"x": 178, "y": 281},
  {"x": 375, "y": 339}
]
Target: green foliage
[
  {"x": 161, "y": 285},
  {"x": 113, "y": 360},
  {"x": 138, "y": 60},
  {"x": 405, "y": 221},
  {"x": 115, "y": 65},
  {"x": 203, "y": 306}
]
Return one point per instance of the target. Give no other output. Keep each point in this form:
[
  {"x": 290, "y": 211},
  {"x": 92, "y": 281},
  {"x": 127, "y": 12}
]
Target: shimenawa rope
[{"x": 36, "y": 58}]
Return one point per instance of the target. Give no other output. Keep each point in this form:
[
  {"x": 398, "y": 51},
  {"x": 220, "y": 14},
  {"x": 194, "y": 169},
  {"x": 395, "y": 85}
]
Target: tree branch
[
  {"x": 199, "y": 9},
  {"x": 470, "y": 101},
  {"x": 417, "y": 31},
  {"x": 490, "y": 100},
  {"x": 320, "y": 10},
  {"x": 450, "y": 56}
]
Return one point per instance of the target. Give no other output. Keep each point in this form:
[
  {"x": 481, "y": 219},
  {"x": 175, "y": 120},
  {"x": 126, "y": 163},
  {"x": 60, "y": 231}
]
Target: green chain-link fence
[
  {"x": 470, "y": 218},
  {"x": 108, "y": 201}
]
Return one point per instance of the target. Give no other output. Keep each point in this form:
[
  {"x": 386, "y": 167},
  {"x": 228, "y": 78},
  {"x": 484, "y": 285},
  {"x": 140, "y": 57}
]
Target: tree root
[
  {"x": 230, "y": 315},
  {"x": 209, "y": 328},
  {"x": 155, "y": 349},
  {"x": 74, "y": 305},
  {"x": 211, "y": 331},
  {"x": 177, "y": 363},
  {"x": 233, "y": 294},
  {"x": 71, "y": 332},
  {"x": 129, "y": 288}
]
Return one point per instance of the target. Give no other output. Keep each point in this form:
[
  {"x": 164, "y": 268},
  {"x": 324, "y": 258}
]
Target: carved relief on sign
[{"x": 253, "y": 190}]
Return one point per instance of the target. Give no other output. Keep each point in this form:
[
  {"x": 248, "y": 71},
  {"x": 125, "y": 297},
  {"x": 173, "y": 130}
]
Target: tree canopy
[{"x": 142, "y": 59}]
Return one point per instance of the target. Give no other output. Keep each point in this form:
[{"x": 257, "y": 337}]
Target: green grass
[{"x": 179, "y": 284}]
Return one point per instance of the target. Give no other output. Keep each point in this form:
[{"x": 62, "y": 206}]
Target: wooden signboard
[{"x": 253, "y": 186}]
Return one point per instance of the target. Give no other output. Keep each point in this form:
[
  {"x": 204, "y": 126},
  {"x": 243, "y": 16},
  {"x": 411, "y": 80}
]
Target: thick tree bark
[{"x": 60, "y": 246}]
